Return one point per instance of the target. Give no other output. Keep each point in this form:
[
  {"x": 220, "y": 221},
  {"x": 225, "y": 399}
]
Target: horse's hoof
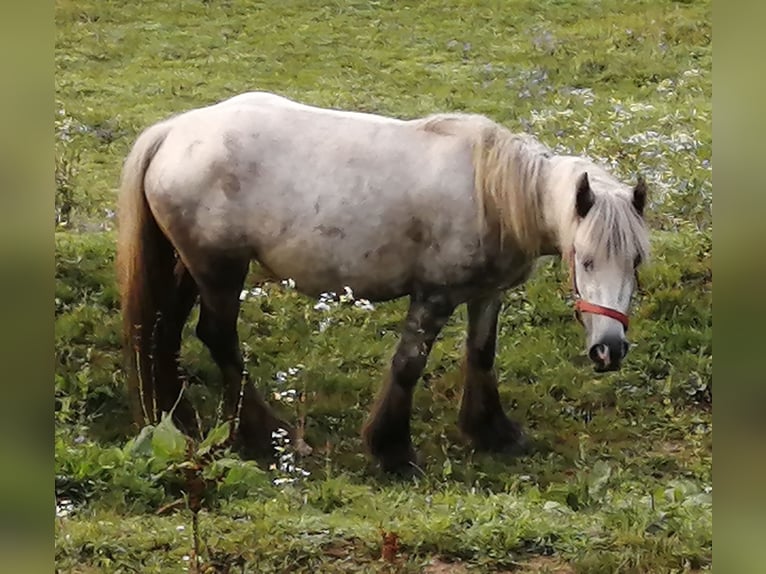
[
  {"x": 390, "y": 445},
  {"x": 511, "y": 447},
  {"x": 301, "y": 447},
  {"x": 393, "y": 458},
  {"x": 260, "y": 442},
  {"x": 499, "y": 435},
  {"x": 402, "y": 463},
  {"x": 258, "y": 448}
]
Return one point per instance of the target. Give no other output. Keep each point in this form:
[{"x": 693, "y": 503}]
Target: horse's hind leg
[
  {"x": 217, "y": 329},
  {"x": 387, "y": 430},
  {"x": 481, "y": 415},
  {"x": 170, "y": 327}
]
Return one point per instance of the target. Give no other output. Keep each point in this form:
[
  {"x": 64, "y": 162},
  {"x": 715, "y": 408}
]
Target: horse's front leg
[
  {"x": 387, "y": 430},
  {"x": 482, "y": 417}
]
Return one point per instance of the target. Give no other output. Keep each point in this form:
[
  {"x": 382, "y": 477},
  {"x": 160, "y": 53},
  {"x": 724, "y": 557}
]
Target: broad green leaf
[
  {"x": 168, "y": 443},
  {"x": 216, "y": 437},
  {"x": 598, "y": 478},
  {"x": 245, "y": 475},
  {"x": 140, "y": 445},
  {"x": 241, "y": 476}
]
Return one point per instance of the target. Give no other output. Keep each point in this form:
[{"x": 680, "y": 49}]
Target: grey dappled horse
[{"x": 447, "y": 209}]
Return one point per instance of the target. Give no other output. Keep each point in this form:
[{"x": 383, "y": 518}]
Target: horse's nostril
[
  {"x": 599, "y": 354},
  {"x": 625, "y": 348}
]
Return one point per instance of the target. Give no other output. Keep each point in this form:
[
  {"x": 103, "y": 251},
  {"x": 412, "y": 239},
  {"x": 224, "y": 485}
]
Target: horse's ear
[
  {"x": 639, "y": 195},
  {"x": 585, "y": 197}
]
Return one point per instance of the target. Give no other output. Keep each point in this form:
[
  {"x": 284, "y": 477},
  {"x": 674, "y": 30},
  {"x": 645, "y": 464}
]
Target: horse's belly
[{"x": 377, "y": 273}]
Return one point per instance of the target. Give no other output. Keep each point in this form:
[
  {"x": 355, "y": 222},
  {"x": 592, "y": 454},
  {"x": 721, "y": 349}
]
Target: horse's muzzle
[{"x": 608, "y": 354}]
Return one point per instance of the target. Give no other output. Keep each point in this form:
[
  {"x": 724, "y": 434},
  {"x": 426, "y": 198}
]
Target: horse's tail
[{"x": 145, "y": 260}]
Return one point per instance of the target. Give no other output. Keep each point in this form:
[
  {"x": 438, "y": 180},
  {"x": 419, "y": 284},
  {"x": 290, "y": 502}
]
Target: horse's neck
[{"x": 558, "y": 204}]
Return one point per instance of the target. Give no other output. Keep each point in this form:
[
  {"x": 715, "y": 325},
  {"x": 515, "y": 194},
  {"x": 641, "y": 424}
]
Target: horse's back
[
  {"x": 275, "y": 102},
  {"x": 273, "y": 145}
]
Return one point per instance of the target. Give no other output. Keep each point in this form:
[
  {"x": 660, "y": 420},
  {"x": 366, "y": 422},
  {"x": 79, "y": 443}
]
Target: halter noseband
[{"x": 582, "y": 306}]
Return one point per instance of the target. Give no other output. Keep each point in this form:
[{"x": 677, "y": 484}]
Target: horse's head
[{"x": 609, "y": 243}]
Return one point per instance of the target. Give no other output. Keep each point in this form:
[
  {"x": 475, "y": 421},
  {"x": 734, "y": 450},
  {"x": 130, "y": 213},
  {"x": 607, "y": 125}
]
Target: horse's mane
[
  {"x": 509, "y": 173},
  {"x": 511, "y": 170}
]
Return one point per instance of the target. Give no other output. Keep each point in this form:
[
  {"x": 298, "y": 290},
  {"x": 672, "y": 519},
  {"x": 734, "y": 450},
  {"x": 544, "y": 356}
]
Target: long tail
[{"x": 145, "y": 261}]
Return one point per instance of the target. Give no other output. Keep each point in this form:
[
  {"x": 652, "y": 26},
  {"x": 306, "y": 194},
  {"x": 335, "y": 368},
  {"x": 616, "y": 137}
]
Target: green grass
[{"x": 621, "y": 473}]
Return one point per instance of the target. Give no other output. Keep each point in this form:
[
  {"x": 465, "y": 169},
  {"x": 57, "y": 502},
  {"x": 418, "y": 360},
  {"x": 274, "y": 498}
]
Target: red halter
[{"x": 582, "y": 306}]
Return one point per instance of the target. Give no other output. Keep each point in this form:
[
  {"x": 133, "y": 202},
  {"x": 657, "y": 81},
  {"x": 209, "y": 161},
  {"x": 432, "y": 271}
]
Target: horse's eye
[{"x": 588, "y": 264}]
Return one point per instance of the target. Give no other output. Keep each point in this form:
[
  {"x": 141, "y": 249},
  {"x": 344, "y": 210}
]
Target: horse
[{"x": 445, "y": 209}]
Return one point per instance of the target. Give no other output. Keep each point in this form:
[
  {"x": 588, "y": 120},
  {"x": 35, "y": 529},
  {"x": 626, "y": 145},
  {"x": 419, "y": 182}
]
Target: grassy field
[{"x": 620, "y": 476}]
